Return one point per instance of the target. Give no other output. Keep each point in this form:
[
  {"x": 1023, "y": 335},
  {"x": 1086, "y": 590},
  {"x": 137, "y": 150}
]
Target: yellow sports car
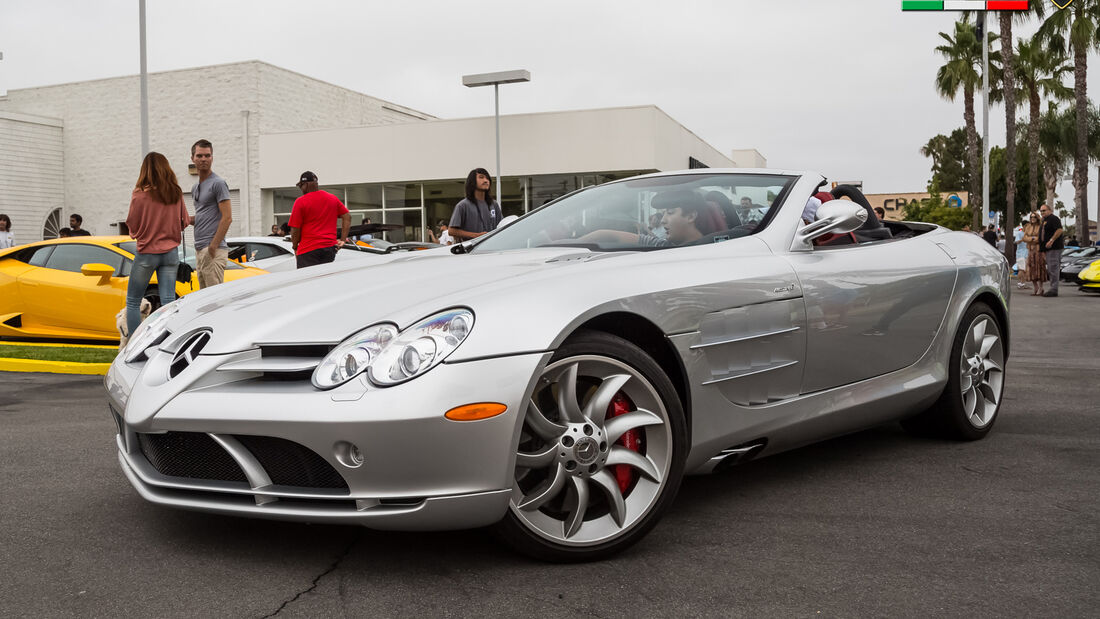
[
  {"x": 1088, "y": 280},
  {"x": 74, "y": 287}
]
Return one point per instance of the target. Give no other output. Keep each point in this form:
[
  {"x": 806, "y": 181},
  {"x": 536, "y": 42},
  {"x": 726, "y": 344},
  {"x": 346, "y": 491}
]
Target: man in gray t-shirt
[
  {"x": 477, "y": 213},
  {"x": 213, "y": 214}
]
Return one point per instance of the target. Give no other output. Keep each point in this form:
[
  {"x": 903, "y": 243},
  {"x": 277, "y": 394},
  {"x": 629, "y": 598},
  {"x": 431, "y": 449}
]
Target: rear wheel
[
  {"x": 600, "y": 455},
  {"x": 969, "y": 403}
]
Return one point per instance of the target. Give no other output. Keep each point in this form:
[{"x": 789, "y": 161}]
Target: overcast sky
[{"x": 844, "y": 87}]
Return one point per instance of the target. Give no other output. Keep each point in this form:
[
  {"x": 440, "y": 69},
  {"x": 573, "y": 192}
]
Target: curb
[{"x": 54, "y": 367}]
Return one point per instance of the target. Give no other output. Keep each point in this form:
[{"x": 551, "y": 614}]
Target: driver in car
[{"x": 687, "y": 218}]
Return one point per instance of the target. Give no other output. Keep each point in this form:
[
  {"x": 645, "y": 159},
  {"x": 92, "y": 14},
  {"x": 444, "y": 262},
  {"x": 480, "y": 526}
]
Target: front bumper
[{"x": 418, "y": 471}]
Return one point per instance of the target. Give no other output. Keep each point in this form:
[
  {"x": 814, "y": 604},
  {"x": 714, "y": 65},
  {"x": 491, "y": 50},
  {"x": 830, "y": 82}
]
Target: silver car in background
[
  {"x": 558, "y": 377},
  {"x": 275, "y": 254}
]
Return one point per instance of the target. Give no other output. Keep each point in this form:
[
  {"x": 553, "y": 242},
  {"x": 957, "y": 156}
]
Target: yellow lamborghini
[
  {"x": 74, "y": 287},
  {"x": 1088, "y": 280}
]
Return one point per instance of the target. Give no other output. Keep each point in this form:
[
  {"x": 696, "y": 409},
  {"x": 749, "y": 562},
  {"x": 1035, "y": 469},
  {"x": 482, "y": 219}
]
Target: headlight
[
  {"x": 421, "y": 347},
  {"x": 390, "y": 357},
  {"x": 147, "y": 333},
  {"x": 352, "y": 357}
]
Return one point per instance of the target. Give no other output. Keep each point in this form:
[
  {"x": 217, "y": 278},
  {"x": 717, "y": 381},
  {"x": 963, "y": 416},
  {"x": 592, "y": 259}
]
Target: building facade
[
  {"x": 413, "y": 174},
  {"x": 75, "y": 148},
  {"x": 231, "y": 105},
  {"x": 32, "y": 173}
]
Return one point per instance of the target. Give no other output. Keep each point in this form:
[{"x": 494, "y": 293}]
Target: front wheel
[
  {"x": 969, "y": 403},
  {"x": 600, "y": 455}
]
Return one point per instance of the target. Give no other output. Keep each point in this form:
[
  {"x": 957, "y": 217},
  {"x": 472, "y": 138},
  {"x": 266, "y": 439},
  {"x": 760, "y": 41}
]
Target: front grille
[
  {"x": 289, "y": 464},
  {"x": 189, "y": 454}
]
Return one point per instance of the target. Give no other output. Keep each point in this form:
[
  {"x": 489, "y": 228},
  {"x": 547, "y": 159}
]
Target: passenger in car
[
  {"x": 718, "y": 200},
  {"x": 687, "y": 218}
]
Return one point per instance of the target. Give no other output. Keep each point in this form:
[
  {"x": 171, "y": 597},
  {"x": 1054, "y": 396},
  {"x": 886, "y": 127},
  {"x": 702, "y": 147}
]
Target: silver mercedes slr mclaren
[{"x": 558, "y": 377}]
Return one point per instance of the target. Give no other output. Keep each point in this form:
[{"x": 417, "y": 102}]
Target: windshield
[{"x": 650, "y": 213}]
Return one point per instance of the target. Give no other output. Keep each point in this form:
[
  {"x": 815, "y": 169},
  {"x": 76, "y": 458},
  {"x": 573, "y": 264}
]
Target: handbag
[{"x": 183, "y": 273}]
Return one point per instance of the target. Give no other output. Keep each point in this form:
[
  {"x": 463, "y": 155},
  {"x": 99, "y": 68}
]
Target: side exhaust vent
[{"x": 732, "y": 456}]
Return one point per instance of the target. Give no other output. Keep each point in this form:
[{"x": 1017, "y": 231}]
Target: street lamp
[{"x": 496, "y": 79}]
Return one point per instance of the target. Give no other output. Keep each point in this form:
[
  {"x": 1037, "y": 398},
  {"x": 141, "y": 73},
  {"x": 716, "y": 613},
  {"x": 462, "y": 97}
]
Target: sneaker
[{"x": 1050, "y": 293}]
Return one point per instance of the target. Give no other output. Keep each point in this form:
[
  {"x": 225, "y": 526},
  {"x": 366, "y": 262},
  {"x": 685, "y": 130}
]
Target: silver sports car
[{"x": 558, "y": 377}]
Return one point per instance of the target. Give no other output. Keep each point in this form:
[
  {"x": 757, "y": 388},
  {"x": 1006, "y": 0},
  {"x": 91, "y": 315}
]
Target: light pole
[
  {"x": 496, "y": 79},
  {"x": 144, "y": 82}
]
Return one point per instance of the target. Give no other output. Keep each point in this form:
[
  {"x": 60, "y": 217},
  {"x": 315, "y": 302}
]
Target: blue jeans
[{"x": 165, "y": 266}]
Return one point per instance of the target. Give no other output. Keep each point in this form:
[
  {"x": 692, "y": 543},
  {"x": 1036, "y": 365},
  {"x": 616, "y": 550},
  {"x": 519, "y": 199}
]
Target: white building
[{"x": 75, "y": 148}]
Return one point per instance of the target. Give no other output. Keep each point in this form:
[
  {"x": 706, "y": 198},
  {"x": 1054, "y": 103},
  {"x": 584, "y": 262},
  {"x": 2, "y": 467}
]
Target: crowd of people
[{"x": 1039, "y": 241}]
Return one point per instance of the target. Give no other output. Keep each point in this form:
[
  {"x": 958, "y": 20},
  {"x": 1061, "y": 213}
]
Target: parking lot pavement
[{"x": 875, "y": 523}]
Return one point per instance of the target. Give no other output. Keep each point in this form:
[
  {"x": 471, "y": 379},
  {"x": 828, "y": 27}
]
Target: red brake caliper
[{"x": 631, "y": 439}]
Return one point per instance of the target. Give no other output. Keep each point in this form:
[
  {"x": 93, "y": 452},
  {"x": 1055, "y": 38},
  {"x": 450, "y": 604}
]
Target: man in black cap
[{"x": 313, "y": 223}]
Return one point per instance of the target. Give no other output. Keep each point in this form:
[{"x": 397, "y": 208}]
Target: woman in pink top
[{"x": 156, "y": 220}]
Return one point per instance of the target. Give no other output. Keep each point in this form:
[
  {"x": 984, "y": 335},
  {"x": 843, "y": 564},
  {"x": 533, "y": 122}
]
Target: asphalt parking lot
[{"x": 876, "y": 523}]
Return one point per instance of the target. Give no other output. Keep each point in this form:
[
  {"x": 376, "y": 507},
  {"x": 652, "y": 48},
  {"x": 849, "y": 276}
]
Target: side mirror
[
  {"x": 507, "y": 221},
  {"x": 95, "y": 269},
  {"x": 834, "y": 217}
]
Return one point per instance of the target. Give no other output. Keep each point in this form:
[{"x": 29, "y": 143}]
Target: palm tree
[
  {"x": 1040, "y": 71},
  {"x": 1008, "y": 62},
  {"x": 963, "y": 71},
  {"x": 1079, "y": 21},
  {"x": 1057, "y": 144}
]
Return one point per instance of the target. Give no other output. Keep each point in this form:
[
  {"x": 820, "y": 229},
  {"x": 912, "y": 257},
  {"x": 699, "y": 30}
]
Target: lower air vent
[
  {"x": 189, "y": 454},
  {"x": 289, "y": 464}
]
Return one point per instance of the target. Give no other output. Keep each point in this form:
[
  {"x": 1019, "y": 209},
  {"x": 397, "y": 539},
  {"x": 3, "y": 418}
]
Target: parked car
[
  {"x": 557, "y": 378},
  {"x": 1080, "y": 259},
  {"x": 73, "y": 287},
  {"x": 276, "y": 254},
  {"x": 1088, "y": 280}
]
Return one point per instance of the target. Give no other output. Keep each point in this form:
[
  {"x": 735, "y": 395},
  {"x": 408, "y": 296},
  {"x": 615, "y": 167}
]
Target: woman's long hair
[{"x": 158, "y": 179}]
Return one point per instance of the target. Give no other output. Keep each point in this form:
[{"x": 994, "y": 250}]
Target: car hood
[{"x": 328, "y": 303}]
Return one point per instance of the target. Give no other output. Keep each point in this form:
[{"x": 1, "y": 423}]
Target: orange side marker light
[{"x": 475, "y": 412}]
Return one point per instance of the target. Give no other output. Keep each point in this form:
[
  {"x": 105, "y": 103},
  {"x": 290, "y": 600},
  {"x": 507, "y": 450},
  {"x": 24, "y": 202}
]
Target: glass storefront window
[
  {"x": 284, "y": 201},
  {"x": 550, "y": 186},
  {"x": 511, "y": 195},
  {"x": 434, "y": 201},
  {"x": 338, "y": 191},
  {"x": 364, "y": 198},
  {"x": 440, "y": 198},
  {"x": 411, "y": 221},
  {"x": 402, "y": 196}
]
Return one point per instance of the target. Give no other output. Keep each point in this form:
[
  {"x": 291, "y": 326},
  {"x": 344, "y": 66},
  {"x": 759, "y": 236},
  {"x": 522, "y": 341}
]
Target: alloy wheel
[
  {"x": 594, "y": 454},
  {"x": 981, "y": 371}
]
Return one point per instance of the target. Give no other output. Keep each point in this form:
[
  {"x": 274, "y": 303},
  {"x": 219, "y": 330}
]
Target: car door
[
  {"x": 59, "y": 295},
  {"x": 871, "y": 308}
]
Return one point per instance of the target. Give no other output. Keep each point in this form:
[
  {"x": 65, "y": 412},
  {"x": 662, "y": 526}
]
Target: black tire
[
  {"x": 971, "y": 400},
  {"x": 593, "y": 524}
]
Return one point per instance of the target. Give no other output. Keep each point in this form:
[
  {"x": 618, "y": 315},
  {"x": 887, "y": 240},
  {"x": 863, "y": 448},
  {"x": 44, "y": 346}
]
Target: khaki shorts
[{"x": 211, "y": 270}]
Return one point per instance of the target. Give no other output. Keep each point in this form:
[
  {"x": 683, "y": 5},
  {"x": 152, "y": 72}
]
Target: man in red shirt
[{"x": 313, "y": 223}]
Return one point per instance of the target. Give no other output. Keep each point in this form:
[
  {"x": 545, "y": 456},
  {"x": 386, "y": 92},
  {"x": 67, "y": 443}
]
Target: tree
[
  {"x": 1080, "y": 21},
  {"x": 1040, "y": 71},
  {"x": 1056, "y": 145},
  {"x": 1008, "y": 62},
  {"x": 934, "y": 210},
  {"x": 962, "y": 71},
  {"x": 998, "y": 186},
  {"x": 950, "y": 168}
]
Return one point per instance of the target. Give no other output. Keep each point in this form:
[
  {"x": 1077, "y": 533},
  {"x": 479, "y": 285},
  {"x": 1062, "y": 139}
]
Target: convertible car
[
  {"x": 72, "y": 288},
  {"x": 558, "y": 377}
]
